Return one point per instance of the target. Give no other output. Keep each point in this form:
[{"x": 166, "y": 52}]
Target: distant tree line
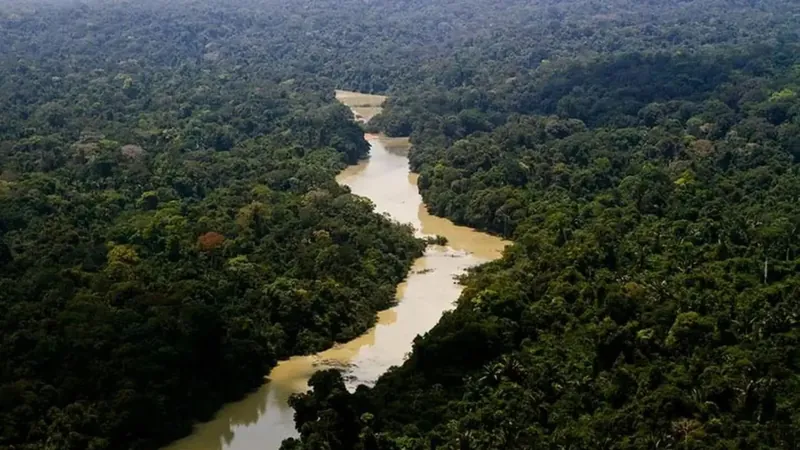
[{"x": 170, "y": 226}]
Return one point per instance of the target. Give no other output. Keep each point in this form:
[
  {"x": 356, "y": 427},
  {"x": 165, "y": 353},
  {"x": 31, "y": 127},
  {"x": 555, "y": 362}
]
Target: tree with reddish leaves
[{"x": 210, "y": 241}]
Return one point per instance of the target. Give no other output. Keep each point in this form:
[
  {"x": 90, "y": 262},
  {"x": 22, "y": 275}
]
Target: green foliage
[
  {"x": 650, "y": 298},
  {"x": 168, "y": 230},
  {"x": 169, "y": 223}
]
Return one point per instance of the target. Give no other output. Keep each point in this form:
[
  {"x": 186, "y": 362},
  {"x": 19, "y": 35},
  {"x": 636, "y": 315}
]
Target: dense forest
[
  {"x": 168, "y": 230},
  {"x": 651, "y": 188},
  {"x": 170, "y": 226}
]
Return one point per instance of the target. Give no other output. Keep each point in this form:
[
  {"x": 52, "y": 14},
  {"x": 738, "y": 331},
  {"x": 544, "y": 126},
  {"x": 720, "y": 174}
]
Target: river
[{"x": 263, "y": 419}]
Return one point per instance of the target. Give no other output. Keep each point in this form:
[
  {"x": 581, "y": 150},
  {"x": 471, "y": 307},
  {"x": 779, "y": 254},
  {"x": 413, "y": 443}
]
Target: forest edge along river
[{"x": 263, "y": 419}]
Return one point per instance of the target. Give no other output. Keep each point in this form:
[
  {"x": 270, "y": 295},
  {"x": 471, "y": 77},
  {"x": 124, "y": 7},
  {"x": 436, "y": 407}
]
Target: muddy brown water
[
  {"x": 364, "y": 106},
  {"x": 263, "y": 419}
]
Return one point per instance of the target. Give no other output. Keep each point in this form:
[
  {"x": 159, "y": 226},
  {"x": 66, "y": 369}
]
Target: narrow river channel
[{"x": 263, "y": 419}]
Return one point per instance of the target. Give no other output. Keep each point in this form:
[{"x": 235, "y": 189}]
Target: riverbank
[{"x": 264, "y": 419}]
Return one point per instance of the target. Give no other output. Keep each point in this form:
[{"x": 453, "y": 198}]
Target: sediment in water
[{"x": 264, "y": 419}]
